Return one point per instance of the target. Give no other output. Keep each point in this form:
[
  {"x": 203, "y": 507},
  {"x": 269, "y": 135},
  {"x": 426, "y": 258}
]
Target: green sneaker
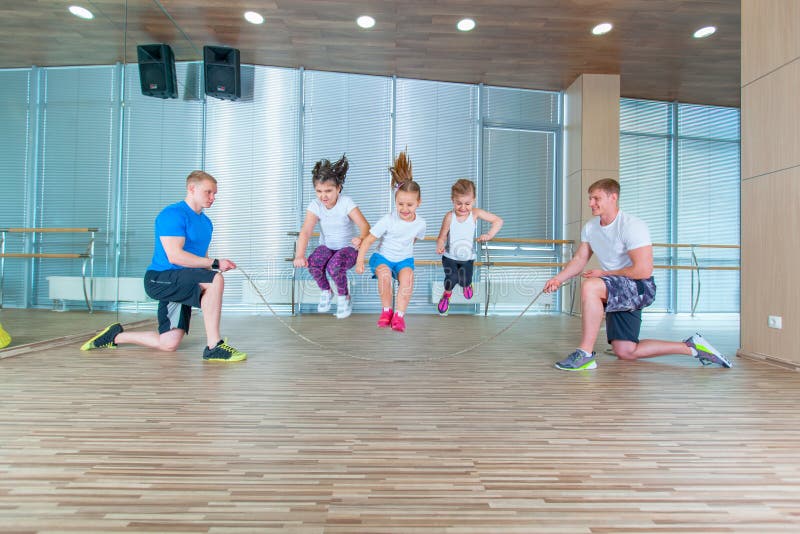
[
  {"x": 104, "y": 339},
  {"x": 577, "y": 361},
  {"x": 5, "y": 338},
  {"x": 706, "y": 352},
  {"x": 223, "y": 352}
]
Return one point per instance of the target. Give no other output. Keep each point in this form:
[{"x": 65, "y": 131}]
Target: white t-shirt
[
  {"x": 336, "y": 229},
  {"x": 397, "y": 236},
  {"x": 611, "y": 243},
  {"x": 461, "y": 238}
]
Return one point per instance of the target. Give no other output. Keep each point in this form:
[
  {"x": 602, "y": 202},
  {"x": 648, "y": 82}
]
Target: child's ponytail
[{"x": 402, "y": 177}]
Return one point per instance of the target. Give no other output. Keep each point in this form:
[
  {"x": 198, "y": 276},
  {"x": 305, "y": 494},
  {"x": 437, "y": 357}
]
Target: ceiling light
[
  {"x": 365, "y": 21},
  {"x": 81, "y": 12},
  {"x": 466, "y": 25},
  {"x": 602, "y": 28},
  {"x": 705, "y": 32},
  {"x": 253, "y": 18}
]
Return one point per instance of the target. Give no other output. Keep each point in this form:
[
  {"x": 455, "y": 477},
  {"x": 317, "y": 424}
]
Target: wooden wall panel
[
  {"x": 773, "y": 25},
  {"x": 770, "y": 256},
  {"x": 770, "y": 178},
  {"x": 770, "y": 114},
  {"x": 600, "y": 150}
]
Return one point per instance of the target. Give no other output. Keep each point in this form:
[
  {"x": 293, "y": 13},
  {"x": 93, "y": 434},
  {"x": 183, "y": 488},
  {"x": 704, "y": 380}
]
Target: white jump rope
[{"x": 396, "y": 360}]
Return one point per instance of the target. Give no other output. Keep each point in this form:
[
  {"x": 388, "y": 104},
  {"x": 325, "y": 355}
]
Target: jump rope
[{"x": 384, "y": 360}]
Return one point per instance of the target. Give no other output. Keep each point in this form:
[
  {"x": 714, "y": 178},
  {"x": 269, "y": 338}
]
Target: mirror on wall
[{"x": 75, "y": 212}]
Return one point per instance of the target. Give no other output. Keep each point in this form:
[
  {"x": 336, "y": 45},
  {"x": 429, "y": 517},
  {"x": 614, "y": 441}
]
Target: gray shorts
[{"x": 626, "y": 294}]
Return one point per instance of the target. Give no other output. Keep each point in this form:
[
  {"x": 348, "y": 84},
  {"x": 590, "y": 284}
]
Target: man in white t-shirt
[{"x": 620, "y": 288}]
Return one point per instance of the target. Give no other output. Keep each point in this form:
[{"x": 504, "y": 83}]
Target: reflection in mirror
[{"x": 70, "y": 162}]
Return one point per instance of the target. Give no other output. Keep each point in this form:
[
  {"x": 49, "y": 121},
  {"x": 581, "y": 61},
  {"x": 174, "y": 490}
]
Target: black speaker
[
  {"x": 222, "y": 73},
  {"x": 157, "y": 71}
]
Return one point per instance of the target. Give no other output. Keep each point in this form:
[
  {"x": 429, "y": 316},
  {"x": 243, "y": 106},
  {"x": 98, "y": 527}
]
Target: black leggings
[{"x": 456, "y": 273}]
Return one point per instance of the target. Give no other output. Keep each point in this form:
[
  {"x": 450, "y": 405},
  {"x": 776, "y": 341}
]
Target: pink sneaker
[
  {"x": 385, "y": 319},
  {"x": 468, "y": 293},
  {"x": 398, "y": 323},
  {"x": 444, "y": 304}
]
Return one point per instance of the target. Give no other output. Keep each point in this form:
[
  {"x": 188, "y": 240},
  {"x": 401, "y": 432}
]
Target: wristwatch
[{"x": 215, "y": 264}]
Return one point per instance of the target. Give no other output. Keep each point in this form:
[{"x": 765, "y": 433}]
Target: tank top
[{"x": 461, "y": 239}]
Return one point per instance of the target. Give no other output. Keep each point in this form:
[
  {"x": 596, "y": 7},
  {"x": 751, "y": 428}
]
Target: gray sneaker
[
  {"x": 577, "y": 361},
  {"x": 706, "y": 352}
]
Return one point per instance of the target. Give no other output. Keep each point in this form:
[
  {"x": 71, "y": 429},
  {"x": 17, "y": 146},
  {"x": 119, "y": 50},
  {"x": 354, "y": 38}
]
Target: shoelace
[{"x": 227, "y": 348}]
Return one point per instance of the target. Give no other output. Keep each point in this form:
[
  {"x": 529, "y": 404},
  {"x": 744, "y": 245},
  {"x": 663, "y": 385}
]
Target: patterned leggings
[{"x": 335, "y": 263}]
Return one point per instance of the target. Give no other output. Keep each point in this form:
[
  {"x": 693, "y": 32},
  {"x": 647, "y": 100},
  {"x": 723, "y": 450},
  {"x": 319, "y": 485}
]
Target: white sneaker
[
  {"x": 324, "y": 305},
  {"x": 344, "y": 306}
]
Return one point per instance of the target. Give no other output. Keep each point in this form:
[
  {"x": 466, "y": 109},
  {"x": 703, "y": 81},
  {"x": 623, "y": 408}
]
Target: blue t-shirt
[{"x": 179, "y": 220}]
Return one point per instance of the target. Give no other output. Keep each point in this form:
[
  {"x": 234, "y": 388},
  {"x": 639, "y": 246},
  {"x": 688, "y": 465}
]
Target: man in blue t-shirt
[
  {"x": 621, "y": 288},
  {"x": 181, "y": 276}
]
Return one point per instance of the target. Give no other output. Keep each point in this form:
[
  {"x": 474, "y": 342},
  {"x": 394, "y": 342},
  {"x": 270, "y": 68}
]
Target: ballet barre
[{"x": 30, "y": 235}]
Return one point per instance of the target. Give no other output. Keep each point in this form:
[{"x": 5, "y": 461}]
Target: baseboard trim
[{"x": 772, "y": 360}]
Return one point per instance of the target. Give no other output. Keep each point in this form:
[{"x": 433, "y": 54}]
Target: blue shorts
[{"x": 377, "y": 260}]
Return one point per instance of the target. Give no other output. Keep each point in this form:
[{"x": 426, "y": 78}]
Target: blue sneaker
[
  {"x": 706, "y": 352},
  {"x": 577, "y": 361}
]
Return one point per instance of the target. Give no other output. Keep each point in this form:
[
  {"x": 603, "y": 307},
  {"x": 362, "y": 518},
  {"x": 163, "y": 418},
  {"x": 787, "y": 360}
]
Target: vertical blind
[
  {"x": 76, "y": 171},
  {"x": 162, "y": 144},
  {"x": 251, "y": 148},
  {"x": 679, "y": 164},
  {"x": 15, "y": 167},
  {"x": 679, "y": 171}
]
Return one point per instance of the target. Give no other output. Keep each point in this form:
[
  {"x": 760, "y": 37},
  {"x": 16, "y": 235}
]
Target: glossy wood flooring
[{"x": 302, "y": 441}]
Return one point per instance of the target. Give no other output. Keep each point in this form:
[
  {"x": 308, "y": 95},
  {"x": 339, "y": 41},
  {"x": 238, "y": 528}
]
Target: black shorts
[
  {"x": 176, "y": 291},
  {"x": 623, "y": 325},
  {"x": 457, "y": 273}
]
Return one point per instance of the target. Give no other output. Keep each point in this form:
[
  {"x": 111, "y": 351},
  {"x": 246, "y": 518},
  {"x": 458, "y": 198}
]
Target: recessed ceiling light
[
  {"x": 602, "y": 28},
  {"x": 704, "y": 32},
  {"x": 466, "y": 25},
  {"x": 253, "y": 18},
  {"x": 81, "y": 12},
  {"x": 365, "y": 21}
]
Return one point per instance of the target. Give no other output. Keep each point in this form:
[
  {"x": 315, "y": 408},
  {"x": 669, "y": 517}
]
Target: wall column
[{"x": 591, "y": 146}]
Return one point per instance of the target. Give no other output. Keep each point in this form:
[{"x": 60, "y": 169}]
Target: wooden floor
[
  {"x": 33, "y": 328},
  {"x": 299, "y": 440}
]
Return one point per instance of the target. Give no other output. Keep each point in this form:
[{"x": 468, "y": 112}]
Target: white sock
[
  {"x": 588, "y": 355},
  {"x": 387, "y": 309},
  {"x": 694, "y": 351},
  {"x": 400, "y": 314}
]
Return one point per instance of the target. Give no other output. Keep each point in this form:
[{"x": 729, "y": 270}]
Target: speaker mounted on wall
[
  {"x": 222, "y": 72},
  {"x": 157, "y": 71}
]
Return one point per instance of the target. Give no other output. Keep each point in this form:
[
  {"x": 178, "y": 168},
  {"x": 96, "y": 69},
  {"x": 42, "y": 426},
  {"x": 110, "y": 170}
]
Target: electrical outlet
[{"x": 775, "y": 321}]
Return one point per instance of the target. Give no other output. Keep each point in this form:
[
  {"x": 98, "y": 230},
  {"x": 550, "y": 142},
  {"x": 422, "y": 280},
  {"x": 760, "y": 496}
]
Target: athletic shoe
[
  {"x": 223, "y": 352},
  {"x": 706, "y": 353},
  {"x": 444, "y": 304},
  {"x": 468, "y": 292},
  {"x": 577, "y": 361},
  {"x": 5, "y": 338},
  {"x": 344, "y": 306},
  {"x": 104, "y": 339},
  {"x": 324, "y": 305},
  {"x": 398, "y": 323},
  {"x": 385, "y": 319}
]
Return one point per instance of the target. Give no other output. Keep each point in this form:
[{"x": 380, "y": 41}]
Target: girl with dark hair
[
  {"x": 456, "y": 241},
  {"x": 395, "y": 255},
  {"x": 338, "y": 243}
]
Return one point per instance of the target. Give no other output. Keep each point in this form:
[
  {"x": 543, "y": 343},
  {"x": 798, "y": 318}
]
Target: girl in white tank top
[{"x": 456, "y": 240}]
